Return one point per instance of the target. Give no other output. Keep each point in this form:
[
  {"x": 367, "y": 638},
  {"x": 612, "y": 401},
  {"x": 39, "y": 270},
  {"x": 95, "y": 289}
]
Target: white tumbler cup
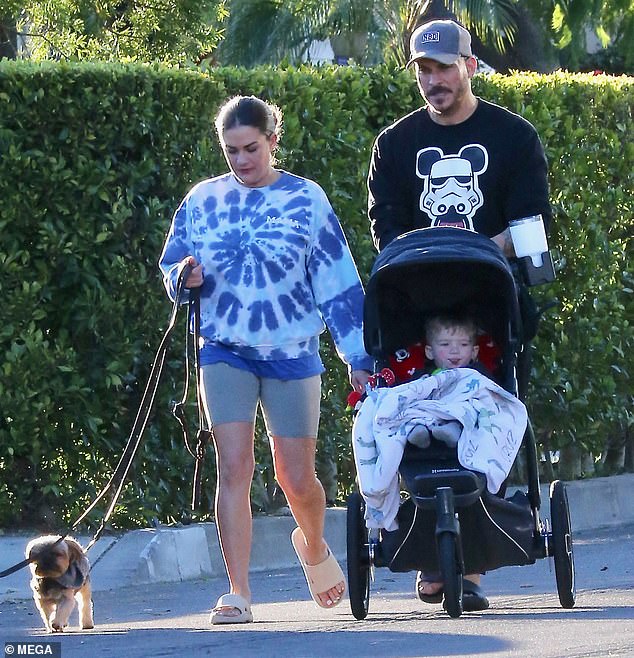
[{"x": 529, "y": 238}]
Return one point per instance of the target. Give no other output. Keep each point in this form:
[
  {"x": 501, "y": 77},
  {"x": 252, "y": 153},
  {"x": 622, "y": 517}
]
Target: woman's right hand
[{"x": 195, "y": 278}]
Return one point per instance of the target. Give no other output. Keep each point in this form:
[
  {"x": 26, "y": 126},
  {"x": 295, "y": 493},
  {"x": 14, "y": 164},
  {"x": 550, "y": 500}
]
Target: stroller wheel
[
  {"x": 451, "y": 570},
  {"x": 358, "y": 551},
  {"x": 562, "y": 544}
]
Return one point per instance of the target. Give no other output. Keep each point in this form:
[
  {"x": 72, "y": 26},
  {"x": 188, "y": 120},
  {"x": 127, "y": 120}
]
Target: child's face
[{"x": 451, "y": 348}]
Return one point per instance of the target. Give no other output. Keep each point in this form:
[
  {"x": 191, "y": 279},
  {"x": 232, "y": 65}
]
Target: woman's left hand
[{"x": 358, "y": 380}]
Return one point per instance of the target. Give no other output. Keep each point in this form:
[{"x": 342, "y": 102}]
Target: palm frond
[{"x": 493, "y": 21}]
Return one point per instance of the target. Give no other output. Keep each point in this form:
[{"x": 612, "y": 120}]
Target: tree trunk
[
  {"x": 617, "y": 454},
  {"x": 8, "y": 38},
  {"x": 546, "y": 467},
  {"x": 628, "y": 463},
  {"x": 531, "y": 50},
  {"x": 569, "y": 462},
  {"x": 436, "y": 9}
]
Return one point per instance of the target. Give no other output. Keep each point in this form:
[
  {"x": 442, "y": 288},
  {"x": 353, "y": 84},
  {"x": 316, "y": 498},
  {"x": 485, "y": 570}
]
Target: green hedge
[
  {"x": 95, "y": 159},
  {"x": 582, "y": 383}
]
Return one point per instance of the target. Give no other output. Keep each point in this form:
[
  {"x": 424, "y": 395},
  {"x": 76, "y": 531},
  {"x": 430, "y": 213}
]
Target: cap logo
[{"x": 430, "y": 36}]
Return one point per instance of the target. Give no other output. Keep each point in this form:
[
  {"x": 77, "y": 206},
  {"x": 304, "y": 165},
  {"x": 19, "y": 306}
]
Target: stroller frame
[{"x": 444, "y": 501}]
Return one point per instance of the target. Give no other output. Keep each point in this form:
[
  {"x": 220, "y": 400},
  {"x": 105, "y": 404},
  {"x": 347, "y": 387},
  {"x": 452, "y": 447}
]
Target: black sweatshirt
[{"x": 478, "y": 174}]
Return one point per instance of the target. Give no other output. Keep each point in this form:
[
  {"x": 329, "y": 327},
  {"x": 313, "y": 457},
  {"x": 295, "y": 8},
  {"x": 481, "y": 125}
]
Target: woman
[{"x": 272, "y": 262}]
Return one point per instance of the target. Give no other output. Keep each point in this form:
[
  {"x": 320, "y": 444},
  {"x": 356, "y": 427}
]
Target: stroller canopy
[{"x": 438, "y": 270}]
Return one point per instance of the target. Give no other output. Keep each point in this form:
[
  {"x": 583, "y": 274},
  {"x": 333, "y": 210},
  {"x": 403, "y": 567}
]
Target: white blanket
[{"x": 461, "y": 403}]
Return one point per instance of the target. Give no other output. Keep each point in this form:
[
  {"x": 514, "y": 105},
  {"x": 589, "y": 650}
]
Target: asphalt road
[{"x": 525, "y": 618}]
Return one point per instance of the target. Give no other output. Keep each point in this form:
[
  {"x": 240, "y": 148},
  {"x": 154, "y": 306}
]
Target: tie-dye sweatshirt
[{"x": 276, "y": 265}]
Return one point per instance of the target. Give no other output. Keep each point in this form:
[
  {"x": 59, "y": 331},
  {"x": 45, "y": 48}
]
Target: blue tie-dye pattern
[
  {"x": 303, "y": 297},
  {"x": 209, "y": 206},
  {"x": 232, "y": 197},
  {"x": 298, "y": 203},
  {"x": 338, "y": 309},
  {"x": 288, "y": 308},
  {"x": 276, "y": 273},
  {"x": 262, "y": 311},
  {"x": 331, "y": 242},
  {"x": 330, "y": 249},
  {"x": 208, "y": 287},
  {"x": 268, "y": 270},
  {"x": 289, "y": 183},
  {"x": 295, "y": 240},
  {"x": 196, "y": 214},
  {"x": 228, "y": 306}
]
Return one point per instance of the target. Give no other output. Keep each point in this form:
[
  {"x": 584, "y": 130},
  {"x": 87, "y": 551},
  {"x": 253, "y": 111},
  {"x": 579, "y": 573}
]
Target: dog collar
[{"x": 72, "y": 579}]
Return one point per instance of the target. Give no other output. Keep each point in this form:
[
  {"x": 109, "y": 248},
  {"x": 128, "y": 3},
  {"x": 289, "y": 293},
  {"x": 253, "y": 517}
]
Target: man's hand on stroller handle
[{"x": 504, "y": 242}]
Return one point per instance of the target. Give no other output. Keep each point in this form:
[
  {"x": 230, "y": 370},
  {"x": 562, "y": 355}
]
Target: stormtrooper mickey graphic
[{"x": 451, "y": 194}]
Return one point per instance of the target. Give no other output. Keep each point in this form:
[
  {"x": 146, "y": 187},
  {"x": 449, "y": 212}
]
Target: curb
[
  {"x": 614, "y": 493},
  {"x": 177, "y": 554},
  {"x": 167, "y": 554}
]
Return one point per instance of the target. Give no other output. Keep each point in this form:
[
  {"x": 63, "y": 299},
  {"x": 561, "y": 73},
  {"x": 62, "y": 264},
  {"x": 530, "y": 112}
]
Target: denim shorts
[{"x": 290, "y": 407}]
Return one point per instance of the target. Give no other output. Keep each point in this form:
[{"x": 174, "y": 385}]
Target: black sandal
[
  {"x": 422, "y": 577},
  {"x": 473, "y": 598}
]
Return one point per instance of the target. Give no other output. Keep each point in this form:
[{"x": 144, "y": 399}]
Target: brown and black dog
[{"x": 61, "y": 575}]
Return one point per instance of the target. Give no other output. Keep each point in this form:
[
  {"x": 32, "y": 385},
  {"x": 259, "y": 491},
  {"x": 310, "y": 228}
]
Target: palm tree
[
  {"x": 536, "y": 35},
  {"x": 611, "y": 21},
  {"x": 267, "y": 31}
]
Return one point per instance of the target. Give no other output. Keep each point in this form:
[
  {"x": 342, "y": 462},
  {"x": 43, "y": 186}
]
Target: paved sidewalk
[{"x": 181, "y": 553}]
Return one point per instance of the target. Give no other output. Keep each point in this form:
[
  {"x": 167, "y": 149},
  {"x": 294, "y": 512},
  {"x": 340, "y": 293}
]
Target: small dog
[{"x": 60, "y": 572}]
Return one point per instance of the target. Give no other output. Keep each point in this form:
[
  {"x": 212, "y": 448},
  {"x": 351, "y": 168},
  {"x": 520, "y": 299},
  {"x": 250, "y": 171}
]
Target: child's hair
[
  {"x": 441, "y": 321},
  {"x": 249, "y": 111}
]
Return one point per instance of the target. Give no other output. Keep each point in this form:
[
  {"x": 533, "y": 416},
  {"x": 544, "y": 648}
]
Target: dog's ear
[
  {"x": 33, "y": 548},
  {"x": 75, "y": 551}
]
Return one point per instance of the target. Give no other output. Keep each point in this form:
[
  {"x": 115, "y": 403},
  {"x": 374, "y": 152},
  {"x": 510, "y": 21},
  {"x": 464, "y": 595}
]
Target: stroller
[{"x": 422, "y": 273}]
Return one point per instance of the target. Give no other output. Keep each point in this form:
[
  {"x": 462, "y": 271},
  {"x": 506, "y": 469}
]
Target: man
[{"x": 458, "y": 161}]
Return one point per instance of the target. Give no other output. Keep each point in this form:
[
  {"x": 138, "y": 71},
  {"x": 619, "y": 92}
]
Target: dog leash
[
  {"x": 204, "y": 433},
  {"x": 21, "y": 565},
  {"x": 117, "y": 480}
]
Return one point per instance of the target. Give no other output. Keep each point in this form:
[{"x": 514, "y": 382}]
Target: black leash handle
[
  {"x": 204, "y": 433},
  {"x": 178, "y": 408}
]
